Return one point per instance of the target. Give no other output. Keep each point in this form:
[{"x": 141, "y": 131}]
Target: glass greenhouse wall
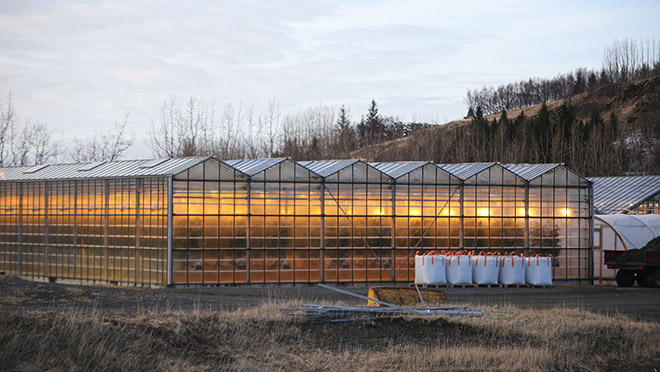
[
  {"x": 649, "y": 206},
  {"x": 200, "y": 221},
  {"x": 95, "y": 230},
  {"x": 560, "y": 221}
]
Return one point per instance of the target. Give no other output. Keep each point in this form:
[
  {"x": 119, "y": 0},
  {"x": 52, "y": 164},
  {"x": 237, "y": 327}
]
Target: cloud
[{"x": 81, "y": 65}]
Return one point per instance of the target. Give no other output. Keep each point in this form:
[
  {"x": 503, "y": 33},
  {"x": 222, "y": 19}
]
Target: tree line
[
  {"x": 195, "y": 128},
  {"x": 596, "y": 146},
  {"x": 623, "y": 61},
  {"x": 316, "y": 132},
  {"x": 27, "y": 142},
  {"x": 593, "y": 146}
]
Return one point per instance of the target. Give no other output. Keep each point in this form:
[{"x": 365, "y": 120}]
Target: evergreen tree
[
  {"x": 371, "y": 128},
  {"x": 507, "y": 126},
  {"x": 564, "y": 120},
  {"x": 345, "y": 138},
  {"x": 374, "y": 122},
  {"x": 479, "y": 121},
  {"x": 479, "y": 149},
  {"x": 542, "y": 130},
  {"x": 343, "y": 122}
]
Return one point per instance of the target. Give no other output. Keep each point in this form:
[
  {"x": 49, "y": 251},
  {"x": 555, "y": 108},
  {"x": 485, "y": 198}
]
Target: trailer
[{"x": 646, "y": 272}]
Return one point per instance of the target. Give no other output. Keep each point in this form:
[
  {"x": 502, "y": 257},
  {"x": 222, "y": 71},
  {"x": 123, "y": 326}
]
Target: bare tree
[
  {"x": 24, "y": 142},
  {"x": 32, "y": 143},
  {"x": 166, "y": 130},
  {"x": 308, "y": 134},
  {"x": 228, "y": 144},
  {"x": 630, "y": 59},
  {"x": 270, "y": 122},
  {"x": 183, "y": 132},
  {"x": 252, "y": 140},
  {"x": 44, "y": 147},
  {"x": 105, "y": 146},
  {"x": 197, "y": 136},
  {"x": 8, "y": 125}
]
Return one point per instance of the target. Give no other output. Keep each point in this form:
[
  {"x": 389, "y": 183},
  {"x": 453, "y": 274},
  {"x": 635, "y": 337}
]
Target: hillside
[{"x": 620, "y": 122}]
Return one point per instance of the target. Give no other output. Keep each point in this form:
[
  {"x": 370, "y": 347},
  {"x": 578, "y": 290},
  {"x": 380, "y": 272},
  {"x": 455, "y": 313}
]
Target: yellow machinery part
[{"x": 406, "y": 296}]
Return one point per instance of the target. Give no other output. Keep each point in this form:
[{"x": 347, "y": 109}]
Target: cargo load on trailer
[{"x": 636, "y": 265}]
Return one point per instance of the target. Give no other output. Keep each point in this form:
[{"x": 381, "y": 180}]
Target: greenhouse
[
  {"x": 627, "y": 194},
  {"x": 204, "y": 221}
]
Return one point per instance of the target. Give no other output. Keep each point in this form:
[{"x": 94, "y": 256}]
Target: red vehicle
[{"x": 647, "y": 273}]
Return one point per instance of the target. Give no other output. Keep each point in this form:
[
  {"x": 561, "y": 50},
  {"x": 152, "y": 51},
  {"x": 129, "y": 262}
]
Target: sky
[{"x": 81, "y": 66}]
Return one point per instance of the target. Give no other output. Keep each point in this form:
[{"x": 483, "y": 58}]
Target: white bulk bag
[
  {"x": 459, "y": 270},
  {"x": 485, "y": 269},
  {"x": 430, "y": 269},
  {"x": 512, "y": 270},
  {"x": 538, "y": 270}
]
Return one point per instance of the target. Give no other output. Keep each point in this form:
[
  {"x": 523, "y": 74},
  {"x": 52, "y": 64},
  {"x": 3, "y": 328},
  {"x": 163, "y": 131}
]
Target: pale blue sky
[{"x": 77, "y": 65}]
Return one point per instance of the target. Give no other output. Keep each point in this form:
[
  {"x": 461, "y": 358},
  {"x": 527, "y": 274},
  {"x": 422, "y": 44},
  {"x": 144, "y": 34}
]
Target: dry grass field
[{"x": 262, "y": 338}]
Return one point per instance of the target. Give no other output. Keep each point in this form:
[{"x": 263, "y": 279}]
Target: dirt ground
[{"x": 19, "y": 294}]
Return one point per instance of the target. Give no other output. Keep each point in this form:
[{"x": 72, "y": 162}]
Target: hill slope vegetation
[{"x": 613, "y": 130}]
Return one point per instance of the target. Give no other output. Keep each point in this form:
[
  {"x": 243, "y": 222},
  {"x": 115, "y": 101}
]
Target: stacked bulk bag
[
  {"x": 512, "y": 270},
  {"x": 459, "y": 269},
  {"x": 430, "y": 268},
  {"x": 485, "y": 269},
  {"x": 538, "y": 270}
]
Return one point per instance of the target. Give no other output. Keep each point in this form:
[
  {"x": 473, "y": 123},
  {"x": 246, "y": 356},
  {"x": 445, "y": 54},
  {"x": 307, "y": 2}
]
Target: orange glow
[
  {"x": 565, "y": 212},
  {"x": 521, "y": 211},
  {"x": 484, "y": 212},
  {"x": 379, "y": 212},
  {"x": 415, "y": 212},
  {"x": 448, "y": 212}
]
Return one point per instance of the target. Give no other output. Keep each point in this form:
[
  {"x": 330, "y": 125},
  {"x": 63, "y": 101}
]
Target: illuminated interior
[
  {"x": 280, "y": 221},
  {"x": 93, "y": 230}
]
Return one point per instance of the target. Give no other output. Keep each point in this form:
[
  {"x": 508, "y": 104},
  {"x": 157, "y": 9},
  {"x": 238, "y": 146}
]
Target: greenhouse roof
[
  {"x": 398, "y": 169},
  {"x": 114, "y": 169},
  {"x": 622, "y": 194},
  {"x": 465, "y": 170},
  {"x": 252, "y": 167},
  {"x": 325, "y": 168},
  {"x": 531, "y": 171}
]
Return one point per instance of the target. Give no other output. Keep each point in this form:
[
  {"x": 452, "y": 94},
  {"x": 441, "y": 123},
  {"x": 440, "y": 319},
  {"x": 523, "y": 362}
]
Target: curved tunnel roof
[{"x": 635, "y": 229}]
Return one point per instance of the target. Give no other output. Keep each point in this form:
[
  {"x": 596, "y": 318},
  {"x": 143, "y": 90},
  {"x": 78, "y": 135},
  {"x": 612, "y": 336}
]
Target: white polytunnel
[
  {"x": 621, "y": 232},
  {"x": 635, "y": 230}
]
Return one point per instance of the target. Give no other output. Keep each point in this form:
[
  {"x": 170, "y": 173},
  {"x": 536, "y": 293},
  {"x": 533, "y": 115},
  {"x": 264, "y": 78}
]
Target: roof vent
[
  {"x": 90, "y": 166},
  {"x": 153, "y": 163},
  {"x": 34, "y": 169}
]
